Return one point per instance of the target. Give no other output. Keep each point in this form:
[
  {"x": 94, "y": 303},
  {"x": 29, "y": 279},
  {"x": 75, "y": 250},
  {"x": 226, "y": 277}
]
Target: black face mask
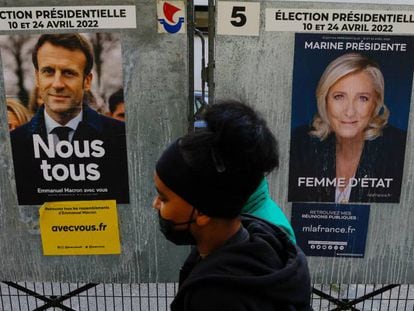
[{"x": 178, "y": 237}]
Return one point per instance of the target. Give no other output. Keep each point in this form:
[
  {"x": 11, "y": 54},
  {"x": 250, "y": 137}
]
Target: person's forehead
[
  {"x": 159, "y": 183},
  {"x": 358, "y": 80},
  {"x": 50, "y": 54},
  {"x": 179, "y": 203},
  {"x": 163, "y": 188}
]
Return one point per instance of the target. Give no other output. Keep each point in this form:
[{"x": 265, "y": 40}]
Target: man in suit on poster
[{"x": 68, "y": 151}]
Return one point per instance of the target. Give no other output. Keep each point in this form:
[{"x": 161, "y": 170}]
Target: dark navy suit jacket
[
  {"x": 32, "y": 186},
  {"x": 382, "y": 157}
]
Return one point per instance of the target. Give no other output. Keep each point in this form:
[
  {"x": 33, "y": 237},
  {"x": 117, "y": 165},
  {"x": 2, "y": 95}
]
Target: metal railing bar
[
  {"x": 27, "y": 296},
  {"x": 11, "y": 303},
  {"x": 313, "y": 299},
  {"x": 165, "y": 295},
  {"x": 149, "y": 305},
  {"x": 122, "y": 294},
  {"x": 389, "y": 300},
  {"x": 381, "y": 297},
  {"x": 398, "y": 298},
  {"x": 96, "y": 298},
  {"x": 325, "y": 296},
  {"x": 320, "y": 301},
  {"x": 130, "y": 291},
  {"x": 370, "y": 295},
  {"x": 347, "y": 294},
  {"x": 70, "y": 300},
  {"x": 61, "y": 289},
  {"x": 43, "y": 290},
  {"x": 156, "y": 294},
  {"x": 25, "y": 290},
  {"x": 24, "y": 295},
  {"x": 330, "y": 293},
  {"x": 47, "y": 306},
  {"x": 104, "y": 292},
  {"x": 18, "y": 300},
  {"x": 336, "y": 301},
  {"x": 1, "y": 297},
  {"x": 363, "y": 302},
  {"x": 113, "y": 296},
  {"x": 406, "y": 297},
  {"x": 140, "y": 300},
  {"x": 57, "y": 302},
  {"x": 35, "y": 289}
]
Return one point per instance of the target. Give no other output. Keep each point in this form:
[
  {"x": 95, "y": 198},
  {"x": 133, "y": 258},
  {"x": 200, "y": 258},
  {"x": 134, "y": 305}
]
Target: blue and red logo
[{"x": 168, "y": 22}]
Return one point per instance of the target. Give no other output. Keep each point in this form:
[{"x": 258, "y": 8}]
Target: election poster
[
  {"x": 66, "y": 113},
  {"x": 350, "y": 105},
  {"x": 331, "y": 230}
]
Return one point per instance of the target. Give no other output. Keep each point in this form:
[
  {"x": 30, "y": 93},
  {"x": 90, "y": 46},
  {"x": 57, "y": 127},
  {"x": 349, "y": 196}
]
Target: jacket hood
[
  {"x": 258, "y": 196},
  {"x": 264, "y": 262},
  {"x": 261, "y": 205}
]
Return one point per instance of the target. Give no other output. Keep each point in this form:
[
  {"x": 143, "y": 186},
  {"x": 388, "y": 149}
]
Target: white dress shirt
[{"x": 52, "y": 124}]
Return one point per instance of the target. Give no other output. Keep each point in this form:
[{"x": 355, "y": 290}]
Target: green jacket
[{"x": 261, "y": 205}]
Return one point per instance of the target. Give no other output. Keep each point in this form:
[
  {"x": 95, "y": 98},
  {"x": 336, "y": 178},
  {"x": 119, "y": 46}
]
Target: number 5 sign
[{"x": 238, "y": 18}]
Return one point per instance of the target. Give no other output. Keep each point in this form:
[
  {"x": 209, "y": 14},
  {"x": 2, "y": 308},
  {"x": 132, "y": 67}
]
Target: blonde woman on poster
[{"x": 349, "y": 153}]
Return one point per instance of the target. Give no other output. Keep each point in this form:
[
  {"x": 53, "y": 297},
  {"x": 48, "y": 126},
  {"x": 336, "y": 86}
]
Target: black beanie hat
[{"x": 217, "y": 194}]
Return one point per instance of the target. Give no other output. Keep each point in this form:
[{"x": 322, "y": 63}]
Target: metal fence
[
  {"x": 25, "y": 296},
  {"x": 363, "y": 297}
]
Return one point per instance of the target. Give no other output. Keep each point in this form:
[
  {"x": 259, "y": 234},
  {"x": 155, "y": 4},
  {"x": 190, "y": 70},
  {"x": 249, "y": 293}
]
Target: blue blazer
[
  {"x": 91, "y": 173},
  {"x": 382, "y": 159}
]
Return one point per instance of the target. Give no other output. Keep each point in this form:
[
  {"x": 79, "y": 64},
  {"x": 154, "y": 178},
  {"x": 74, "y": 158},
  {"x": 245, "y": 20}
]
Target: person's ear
[
  {"x": 202, "y": 219},
  {"x": 37, "y": 78},
  {"x": 87, "y": 82}
]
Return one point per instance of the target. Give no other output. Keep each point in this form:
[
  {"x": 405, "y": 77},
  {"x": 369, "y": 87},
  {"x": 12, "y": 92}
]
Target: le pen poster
[
  {"x": 350, "y": 106},
  {"x": 65, "y": 107}
]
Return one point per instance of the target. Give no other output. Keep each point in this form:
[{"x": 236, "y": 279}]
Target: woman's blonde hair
[
  {"x": 346, "y": 64},
  {"x": 21, "y": 112}
]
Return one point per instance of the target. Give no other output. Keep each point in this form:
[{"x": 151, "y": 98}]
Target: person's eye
[
  {"x": 363, "y": 98},
  {"x": 338, "y": 96},
  {"x": 47, "y": 71},
  {"x": 69, "y": 73}
]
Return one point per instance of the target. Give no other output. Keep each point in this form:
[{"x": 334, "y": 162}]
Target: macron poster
[{"x": 72, "y": 83}]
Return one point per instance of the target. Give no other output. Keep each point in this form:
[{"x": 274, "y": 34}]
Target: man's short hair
[
  {"x": 115, "y": 99},
  {"x": 70, "y": 41}
]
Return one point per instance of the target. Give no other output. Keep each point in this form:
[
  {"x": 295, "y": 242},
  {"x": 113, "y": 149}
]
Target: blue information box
[{"x": 331, "y": 230}]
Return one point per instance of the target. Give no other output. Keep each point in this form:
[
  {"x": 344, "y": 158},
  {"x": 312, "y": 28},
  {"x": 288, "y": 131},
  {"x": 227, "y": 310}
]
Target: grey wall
[
  {"x": 155, "y": 67},
  {"x": 259, "y": 70},
  {"x": 155, "y": 70}
]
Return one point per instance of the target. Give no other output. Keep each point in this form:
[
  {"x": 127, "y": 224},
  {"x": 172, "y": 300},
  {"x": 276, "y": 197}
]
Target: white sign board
[
  {"x": 238, "y": 18},
  {"x": 339, "y": 21},
  {"x": 68, "y": 17}
]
